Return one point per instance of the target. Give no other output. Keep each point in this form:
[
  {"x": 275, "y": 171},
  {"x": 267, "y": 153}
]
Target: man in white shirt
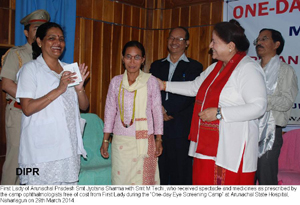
[{"x": 282, "y": 89}]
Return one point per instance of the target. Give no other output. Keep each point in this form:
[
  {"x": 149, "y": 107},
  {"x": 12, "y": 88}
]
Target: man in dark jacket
[{"x": 175, "y": 166}]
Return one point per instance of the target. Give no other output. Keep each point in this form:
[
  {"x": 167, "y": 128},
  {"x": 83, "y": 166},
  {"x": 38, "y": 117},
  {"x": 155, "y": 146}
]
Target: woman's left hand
[
  {"x": 159, "y": 148},
  {"x": 209, "y": 114},
  {"x": 84, "y": 73}
]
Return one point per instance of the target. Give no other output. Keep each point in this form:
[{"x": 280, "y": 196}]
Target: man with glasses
[
  {"x": 175, "y": 166},
  {"x": 282, "y": 89}
]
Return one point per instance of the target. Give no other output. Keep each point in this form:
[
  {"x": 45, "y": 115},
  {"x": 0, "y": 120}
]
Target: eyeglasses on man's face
[
  {"x": 263, "y": 39},
  {"x": 136, "y": 57},
  {"x": 171, "y": 38}
]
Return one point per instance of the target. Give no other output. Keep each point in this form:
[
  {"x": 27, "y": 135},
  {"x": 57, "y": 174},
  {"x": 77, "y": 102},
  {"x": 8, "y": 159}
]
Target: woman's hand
[
  {"x": 104, "y": 146},
  {"x": 208, "y": 114},
  {"x": 66, "y": 78},
  {"x": 104, "y": 149},
  {"x": 84, "y": 73},
  {"x": 158, "y": 146},
  {"x": 82, "y": 97}
]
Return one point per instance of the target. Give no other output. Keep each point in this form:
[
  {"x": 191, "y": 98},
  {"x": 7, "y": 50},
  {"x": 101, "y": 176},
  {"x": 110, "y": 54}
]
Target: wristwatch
[{"x": 219, "y": 115}]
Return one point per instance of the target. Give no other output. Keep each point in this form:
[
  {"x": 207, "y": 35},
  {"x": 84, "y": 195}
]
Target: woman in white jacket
[
  {"x": 51, "y": 131},
  {"x": 230, "y": 97}
]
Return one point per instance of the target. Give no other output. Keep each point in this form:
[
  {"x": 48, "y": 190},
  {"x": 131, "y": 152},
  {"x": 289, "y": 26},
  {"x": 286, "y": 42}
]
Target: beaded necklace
[{"x": 122, "y": 108}]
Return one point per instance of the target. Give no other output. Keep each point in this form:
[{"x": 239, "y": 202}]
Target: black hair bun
[{"x": 235, "y": 22}]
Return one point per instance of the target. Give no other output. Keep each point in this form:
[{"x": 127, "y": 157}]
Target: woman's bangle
[
  {"x": 106, "y": 141},
  {"x": 82, "y": 90},
  {"x": 165, "y": 85},
  {"x": 158, "y": 139}
]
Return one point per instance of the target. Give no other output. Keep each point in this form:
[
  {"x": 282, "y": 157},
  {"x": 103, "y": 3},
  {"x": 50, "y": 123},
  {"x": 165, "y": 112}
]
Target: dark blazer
[{"x": 178, "y": 106}]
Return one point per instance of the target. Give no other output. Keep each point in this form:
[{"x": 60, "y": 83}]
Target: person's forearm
[
  {"x": 83, "y": 100},
  {"x": 106, "y": 137},
  {"x": 31, "y": 106},
  {"x": 9, "y": 86},
  {"x": 158, "y": 137}
]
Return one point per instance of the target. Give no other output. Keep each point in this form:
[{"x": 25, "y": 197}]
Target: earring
[{"x": 230, "y": 50}]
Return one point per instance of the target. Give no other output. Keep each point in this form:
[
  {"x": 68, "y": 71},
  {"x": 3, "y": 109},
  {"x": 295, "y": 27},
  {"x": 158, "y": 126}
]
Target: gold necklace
[{"x": 122, "y": 108}]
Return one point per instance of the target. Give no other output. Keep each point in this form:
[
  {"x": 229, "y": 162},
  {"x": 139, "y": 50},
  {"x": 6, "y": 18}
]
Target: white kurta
[
  {"x": 243, "y": 100},
  {"x": 64, "y": 170},
  {"x": 44, "y": 135}
]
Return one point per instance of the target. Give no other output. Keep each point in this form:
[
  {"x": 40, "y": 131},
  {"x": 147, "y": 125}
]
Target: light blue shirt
[{"x": 173, "y": 66}]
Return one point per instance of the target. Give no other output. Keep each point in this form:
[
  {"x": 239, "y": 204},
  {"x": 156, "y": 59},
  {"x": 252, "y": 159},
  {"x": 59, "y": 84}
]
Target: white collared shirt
[{"x": 173, "y": 66}]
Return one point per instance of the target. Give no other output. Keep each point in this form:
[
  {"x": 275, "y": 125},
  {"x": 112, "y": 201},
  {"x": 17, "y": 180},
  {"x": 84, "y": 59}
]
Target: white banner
[{"x": 281, "y": 15}]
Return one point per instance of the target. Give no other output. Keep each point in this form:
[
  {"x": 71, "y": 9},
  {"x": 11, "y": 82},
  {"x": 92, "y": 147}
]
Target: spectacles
[
  {"x": 263, "y": 39},
  {"x": 171, "y": 38},
  {"x": 136, "y": 57}
]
